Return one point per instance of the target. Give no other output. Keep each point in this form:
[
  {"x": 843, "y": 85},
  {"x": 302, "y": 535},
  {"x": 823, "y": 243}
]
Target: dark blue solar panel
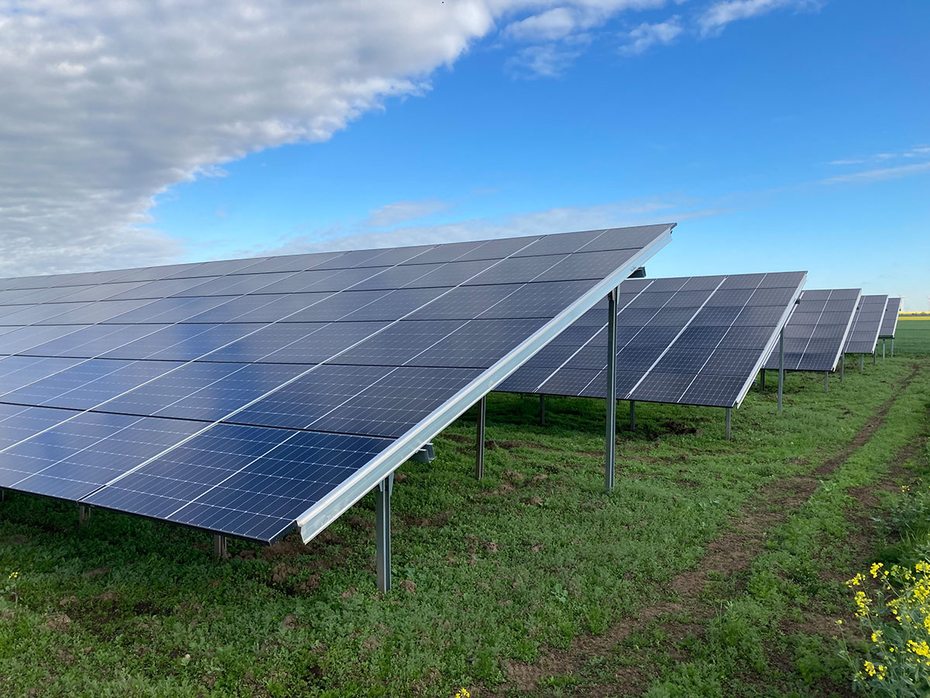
[
  {"x": 400, "y": 343},
  {"x": 863, "y": 334},
  {"x": 478, "y": 344},
  {"x": 79, "y": 456},
  {"x": 18, "y": 423},
  {"x": 131, "y": 366},
  {"x": 817, "y": 330},
  {"x": 245, "y": 481},
  {"x": 19, "y": 371},
  {"x": 679, "y": 340},
  {"x": 91, "y": 341},
  {"x": 170, "y": 310},
  {"x": 311, "y": 397},
  {"x": 890, "y": 321},
  {"x": 33, "y": 314},
  {"x": 465, "y": 302},
  {"x": 329, "y": 341},
  {"x": 266, "y": 341}
]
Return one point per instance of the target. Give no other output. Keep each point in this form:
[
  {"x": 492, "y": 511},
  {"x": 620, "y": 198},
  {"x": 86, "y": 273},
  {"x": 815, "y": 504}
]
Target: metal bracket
[{"x": 425, "y": 454}]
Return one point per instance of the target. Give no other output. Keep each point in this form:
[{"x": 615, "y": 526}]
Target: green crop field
[
  {"x": 713, "y": 569},
  {"x": 913, "y": 335}
]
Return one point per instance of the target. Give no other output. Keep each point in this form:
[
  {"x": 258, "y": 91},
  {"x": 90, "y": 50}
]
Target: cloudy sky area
[{"x": 781, "y": 134}]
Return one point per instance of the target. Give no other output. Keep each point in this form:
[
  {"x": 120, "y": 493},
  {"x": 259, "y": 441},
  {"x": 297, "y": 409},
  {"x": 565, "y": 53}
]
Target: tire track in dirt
[{"x": 730, "y": 554}]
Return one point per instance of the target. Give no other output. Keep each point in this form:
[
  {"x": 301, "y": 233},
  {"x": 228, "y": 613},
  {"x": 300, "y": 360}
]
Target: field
[
  {"x": 913, "y": 335},
  {"x": 714, "y": 569}
]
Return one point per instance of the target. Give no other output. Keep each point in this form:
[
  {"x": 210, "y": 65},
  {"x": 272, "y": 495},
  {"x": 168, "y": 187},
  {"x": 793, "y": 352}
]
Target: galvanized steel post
[
  {"x": 781, "y": 367},
  {"x": 383, "y": 532},
  {"x": 479, "y": 443},
  {"x": 611, "y": 435}
]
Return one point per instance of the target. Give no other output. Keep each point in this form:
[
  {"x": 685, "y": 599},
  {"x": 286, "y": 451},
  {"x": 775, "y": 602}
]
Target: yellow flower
[
  {"x": 875, "y": 569},
  {"x": 869, "y": 668}
]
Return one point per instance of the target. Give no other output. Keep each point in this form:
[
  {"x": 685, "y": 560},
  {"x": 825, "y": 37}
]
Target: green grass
[
  {"x": 913, "y": 337},
  {"x": 487, "y": 574}
]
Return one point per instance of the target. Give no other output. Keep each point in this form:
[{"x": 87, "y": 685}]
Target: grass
[
  {"x": 531, "y": 581},
  {"x": 913, "y": 336}
]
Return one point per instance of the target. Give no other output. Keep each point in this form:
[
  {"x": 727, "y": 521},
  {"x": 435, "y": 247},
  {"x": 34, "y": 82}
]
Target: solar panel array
[
  {"x": 817, "y": 330},
  {"x": 890, "y": 321},
  {"x": 863, "y": 335},
  {"x": 237, "y": 396},
  {"x": 691, "y": 340}
]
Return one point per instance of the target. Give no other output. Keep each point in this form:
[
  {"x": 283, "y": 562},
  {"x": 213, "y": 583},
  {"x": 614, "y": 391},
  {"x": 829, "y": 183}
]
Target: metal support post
[
  {"x": 826, "y": 381},
  {"x": 729, "y": 422},
  {"x": 883, "y": 349},
  {"x": 219, "y": 546},
  {"x": 542, "y": 410},
  {"x": 861, "y": 363},
  {"x": 842, "y": 367},
  {"x": 83, "y": 513},
  {"x": 383, "y": 532},
  {"x": 874, "y": 356},
  {"x": 892, "y": 347},
  {"x": 479, "y": 443},
  {"x": 612, "y": 298},
  {"x": 762, "y": 381},
  {"x": 781, "y": 367},
  {"x": 632, "y": 415}
]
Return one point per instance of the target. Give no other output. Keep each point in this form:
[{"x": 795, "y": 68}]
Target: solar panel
[
  {"x": 817, "y": 331},
  {"x": 863, "y": 334},
  {"x": 689, "y": 340},
  {"x": 890, "y": 321},
  {"x": 241, "y": 396}
]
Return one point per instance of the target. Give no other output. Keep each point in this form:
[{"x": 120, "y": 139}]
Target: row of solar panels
[
  {"x": 702, "y": 340},
  {"x": 244, "y": 395},
  {"x": 241, "y": 396}
]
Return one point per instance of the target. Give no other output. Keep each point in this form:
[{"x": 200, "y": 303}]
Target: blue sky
[{"x": 795, "y": 138}]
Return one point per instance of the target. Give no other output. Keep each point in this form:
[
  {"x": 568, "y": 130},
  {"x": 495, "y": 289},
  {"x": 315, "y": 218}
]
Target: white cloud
[
  {"x": 401, "y": 211},
  {"x": 546, "y": 61},
  {"x": 918, "y": 151},
  {"x": 106, "y": 103},
  {"x": 716, "y": 17},
  {"x": 647, "y": 35},
  {"x": 881, "y": 174},
  {"x": 556, "y": 23}
]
